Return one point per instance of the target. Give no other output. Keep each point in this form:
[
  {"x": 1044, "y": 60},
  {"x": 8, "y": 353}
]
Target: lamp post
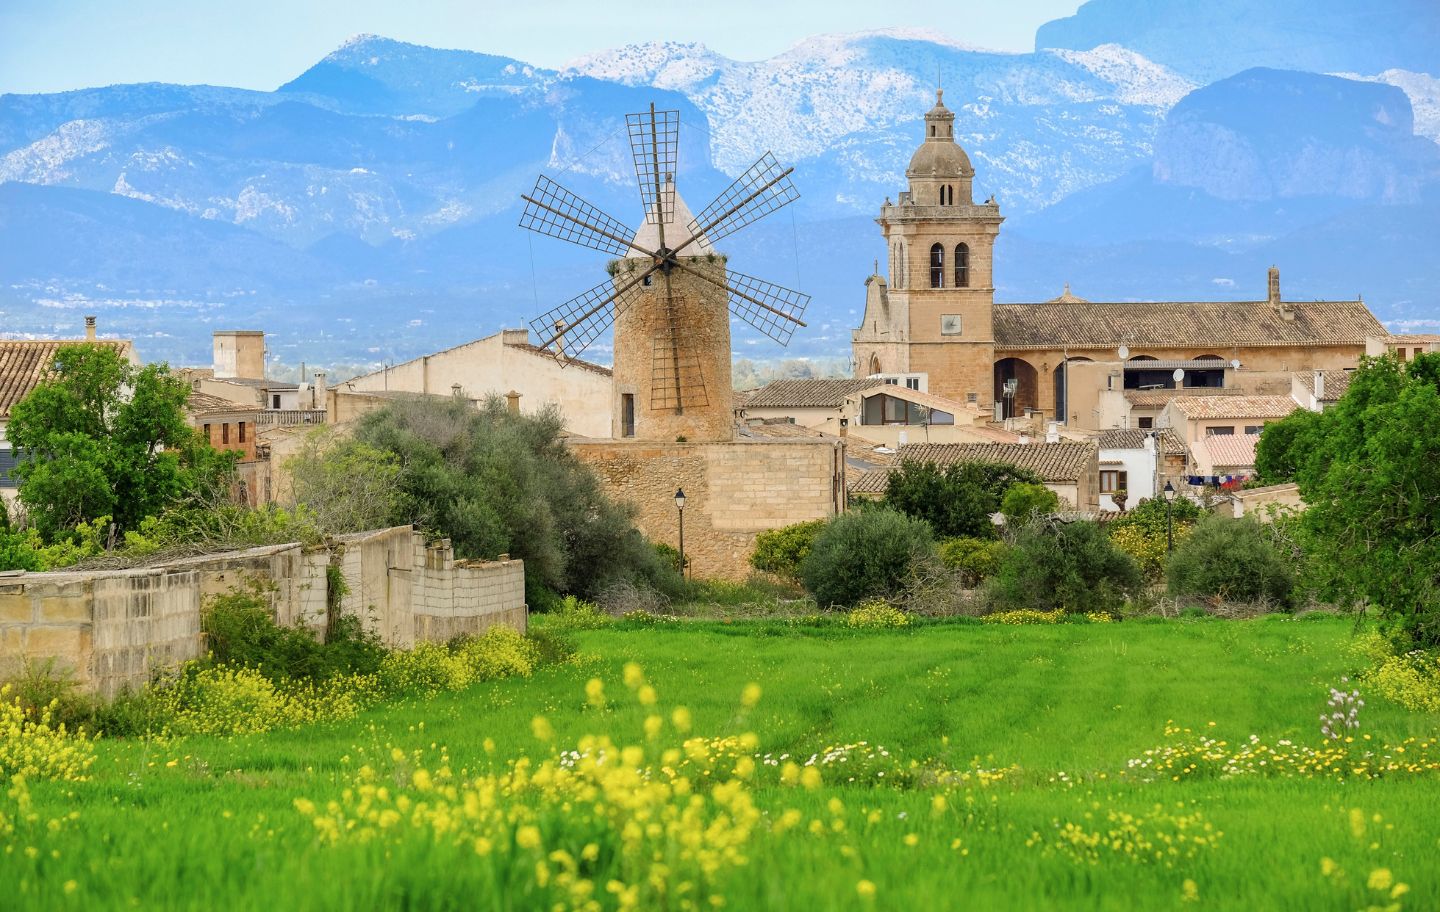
[
  {"x": 680, "y": 508},
  {"x": 1169, "y": 521}
]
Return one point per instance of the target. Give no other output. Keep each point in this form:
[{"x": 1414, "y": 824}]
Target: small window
[
  {"x": 1145, "y": 424},
  {"x": 932, "y": 129},
  {"x": 937, "y": 266},
  {"x": 1219, "y": 431},
  {"x": 208, "y": 438},
  {"x": 225, "y": 433},
  {"x": 962, "y": 266},
  {"x": 1112, "y": 480},
  {"x": 275, "y": 400},
  {"x": 1254, "y": 428},
  {"x": 950, "y": 325},
  {"x": 912, "y": 383},
  {"x": 972, "y": 398},
  {"x": 242, "y": 432},
  {"x": 892, "y": 381},
  {"x": 627, "y": 414},
  {"x": 648, "y": 280}
]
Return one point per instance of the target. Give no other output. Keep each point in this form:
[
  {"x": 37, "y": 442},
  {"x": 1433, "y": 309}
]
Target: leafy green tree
[
  {"x": 956, "y": 501},
  {"x": 1233, "y": 560},
  {"x": 496, "y": 483},
  {"x": 102, "y": 437},
  {"x": 346, "y": 484},
  {"x": 1069, "y": 565},
  {"x": 866, "y": 554},
  {"x": 1369, "y": 474},
  {"x": 976, "y": 559},
  {"x": 1025, "y": 500},
  {"x": 1281, "y": 443}
]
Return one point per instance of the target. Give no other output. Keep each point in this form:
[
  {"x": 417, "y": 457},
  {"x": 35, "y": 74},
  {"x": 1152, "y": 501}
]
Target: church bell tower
[{"x": 932, "y": 313}]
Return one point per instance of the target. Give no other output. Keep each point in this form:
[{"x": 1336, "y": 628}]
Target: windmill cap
[{"x": 677, "y": 229}]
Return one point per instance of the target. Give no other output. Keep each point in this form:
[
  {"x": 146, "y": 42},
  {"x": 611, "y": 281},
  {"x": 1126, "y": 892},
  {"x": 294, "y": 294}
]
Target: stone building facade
[
  {"x": 734, "y": 490},
  {"x": 933, "y": 316}
]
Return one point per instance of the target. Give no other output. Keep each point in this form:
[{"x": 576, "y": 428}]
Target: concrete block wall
[{"x": 113, "y": 629}]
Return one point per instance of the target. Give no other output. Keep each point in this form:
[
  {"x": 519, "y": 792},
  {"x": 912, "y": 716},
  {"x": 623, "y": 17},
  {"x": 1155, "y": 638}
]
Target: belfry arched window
[
  {"x": 937, "y": 266},
  {"x": 962, "y": 266}
]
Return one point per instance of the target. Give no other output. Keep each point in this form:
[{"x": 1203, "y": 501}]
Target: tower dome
[{"x": 940, "y": 171}]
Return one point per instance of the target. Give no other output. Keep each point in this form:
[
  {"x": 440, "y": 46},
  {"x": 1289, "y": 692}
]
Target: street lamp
[
  {"x": 680, "y": 508},
  {"x": 1169, "y": 520}
]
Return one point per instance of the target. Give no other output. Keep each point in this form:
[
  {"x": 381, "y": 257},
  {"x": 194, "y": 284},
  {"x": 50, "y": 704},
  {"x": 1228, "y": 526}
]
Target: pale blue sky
[{"x": 53, "y": 45}]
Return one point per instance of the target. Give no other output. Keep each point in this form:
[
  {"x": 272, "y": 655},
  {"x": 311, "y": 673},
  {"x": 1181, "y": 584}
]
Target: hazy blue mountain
[
  {"x": 1215, "y": 39},
  {"x": 367, "y": 210}
]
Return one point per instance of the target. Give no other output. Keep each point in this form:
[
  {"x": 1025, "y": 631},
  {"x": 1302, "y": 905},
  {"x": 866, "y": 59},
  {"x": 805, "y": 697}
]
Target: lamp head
[
  {"x": 680, "y": 498},
  {"x": 1169, "y": 491}
]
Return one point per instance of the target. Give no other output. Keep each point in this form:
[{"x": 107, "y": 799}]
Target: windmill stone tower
[
  {"x": 670, "y": 293},
  {"x": 672, "y": 344}
]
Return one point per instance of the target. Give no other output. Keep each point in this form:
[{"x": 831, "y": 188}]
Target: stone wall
[
  {"x": 733, "y": 491},
  {"x": 114, "y": 629}
]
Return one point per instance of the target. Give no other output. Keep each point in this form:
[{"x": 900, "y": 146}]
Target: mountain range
[{"x": 366, "y": 210}]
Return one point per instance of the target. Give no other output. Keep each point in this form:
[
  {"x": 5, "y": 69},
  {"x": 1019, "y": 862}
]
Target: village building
[
  {"x": 881, "y": 411},
  {"x": 506, "y": 365},
  {"x": 1319, "y": 390},
  {"x": 1070, "y": 469},
  {"x": 23, "y": 364},
  {"x": 1136, "y": 464},
  {"x": 932, "y": 318}
]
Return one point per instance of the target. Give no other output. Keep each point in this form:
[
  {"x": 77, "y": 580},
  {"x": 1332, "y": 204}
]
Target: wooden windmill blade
[
  {"x": 569, "y": 329},
  {"x": 655, "y": 149},
  {"x": 773, "y": 309},
  {"x": 763, "y": 188},
  {"x": 552, "y": 210}
]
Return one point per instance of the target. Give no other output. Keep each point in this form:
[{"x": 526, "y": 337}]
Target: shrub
[
  {"x": 1230, "y": 560},
  {"x": 572, "y": 613},
  {"x": 241, "y": 631},
  {"x": 956, "y": 500},
  {"x": 1150, "y": 549},
  {"x": 782, "y": 551},
  {"x": 1071, "y": 566},
  {"x": 873, "y": 614},
  {"x": 33, "y": 745},
  {"x": 426, "y": 670},
  {"x": 498, "y": 653},
  {"x": 871, "y": 553},
  {"x": 1024, "y": 616},
  {"x": 975, "y": 559},
  {"x": 1025, "y": 500}
]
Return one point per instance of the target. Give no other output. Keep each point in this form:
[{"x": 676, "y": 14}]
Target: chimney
[
  {"x": 1274, "y": 286},
  {"x": 904, "y": 438},
  {"x": 512, "y": 399},
  {"x": 1319, "y": 386},
  {"x": 90, "y": 329},
  {"x": 1052, "y": 433},
  {"x": 1149, "y": 444},
  {"x": 320, "y": 391},
  {"x": 515, "y": 336}
]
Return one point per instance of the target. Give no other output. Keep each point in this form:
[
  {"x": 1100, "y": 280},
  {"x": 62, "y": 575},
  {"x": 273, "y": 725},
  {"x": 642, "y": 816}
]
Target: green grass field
[{"x": 212, "y": 823}]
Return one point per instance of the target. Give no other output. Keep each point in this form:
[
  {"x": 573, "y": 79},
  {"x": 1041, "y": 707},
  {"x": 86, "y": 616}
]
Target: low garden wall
[{"x": 114, "y": 629}]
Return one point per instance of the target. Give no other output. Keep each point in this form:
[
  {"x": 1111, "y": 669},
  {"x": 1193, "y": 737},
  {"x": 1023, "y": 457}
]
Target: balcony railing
[{"x": 289, "y": 417}]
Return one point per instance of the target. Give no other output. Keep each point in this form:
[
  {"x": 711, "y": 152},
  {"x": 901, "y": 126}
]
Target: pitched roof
[
  {"x": 929, "y": 400},
  {"x": 812, "y": 393},
  {"x": 872, "y": 482},
  {"x": 1054, "y": 462},
  {"x": 1161, "y": 397},
  {"x": 200, "y": 404},
  {"x": 1134, "y": 439},
  {"x": 1167, "y": 324},
  {"x": 1204, "y": 407},
  {"x": 25, "y": 362},
  {"x": 1228, "y": 450},
  {"x": 1336, "y": 382}
]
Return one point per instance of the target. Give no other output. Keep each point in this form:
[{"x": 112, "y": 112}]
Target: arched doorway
[
  {"x": 1021, "y": 380},
  {"x": 874, "y": 366},
  {"x": 1062, "y": 389}
]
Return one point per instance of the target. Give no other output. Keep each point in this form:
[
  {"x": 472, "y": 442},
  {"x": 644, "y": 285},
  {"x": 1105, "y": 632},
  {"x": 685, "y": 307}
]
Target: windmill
[{"x": 670, "y": 292}]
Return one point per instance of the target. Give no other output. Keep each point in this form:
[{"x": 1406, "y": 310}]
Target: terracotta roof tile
[
  {"x": 1054, "y": 462},
  {"x": 1161, "y": 397},
  {"x": 1134, "y": 439},
  {"x": 1336, "y": 382},
  {"x": 1168, "y": 324},
  {"x": 205, "y": 404},
  {"x": 1203, "y": 407},
  {"x": 1228, "y": 451},
  {"x": 812, "y": 393},
  {"x": 25, "y": 362}
]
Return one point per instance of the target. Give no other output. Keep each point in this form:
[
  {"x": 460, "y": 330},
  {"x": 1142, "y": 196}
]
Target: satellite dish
[
  {"x": 1124, "y": 353},
  {"x": 1178, "y": 375},
  {"x": 1235, "y": 365}
]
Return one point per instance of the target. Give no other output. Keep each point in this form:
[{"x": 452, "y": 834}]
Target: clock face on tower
[{"x": 950, "y": 325}]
